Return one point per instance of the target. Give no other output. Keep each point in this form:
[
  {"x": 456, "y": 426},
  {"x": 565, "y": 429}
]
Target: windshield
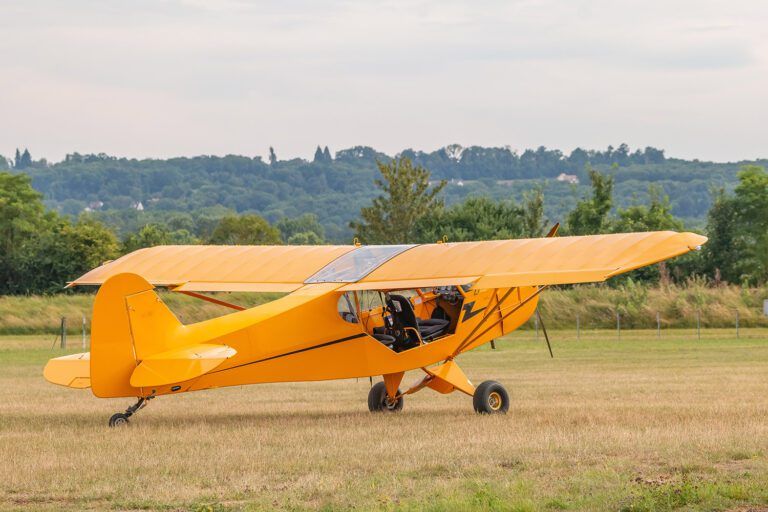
[{"x": 356, "y": 264}]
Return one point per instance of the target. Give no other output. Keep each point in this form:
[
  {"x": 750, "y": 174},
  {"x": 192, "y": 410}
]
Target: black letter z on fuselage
[{"x": 468, "y": 313}]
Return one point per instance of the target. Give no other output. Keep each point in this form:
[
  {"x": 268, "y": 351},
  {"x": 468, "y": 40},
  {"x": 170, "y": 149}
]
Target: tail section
[
  {"x": 137, "y": 344},
  {"x": 180, "y": 364},
  {"x": 72, "y": 371},
  {"x": 113, "y": 353}
]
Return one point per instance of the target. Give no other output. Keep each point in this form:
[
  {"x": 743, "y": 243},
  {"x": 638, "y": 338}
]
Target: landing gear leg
[{"x": 120, "y": 419}]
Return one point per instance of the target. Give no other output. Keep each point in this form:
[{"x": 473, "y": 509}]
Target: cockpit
[{"x": 404, "y": 319}]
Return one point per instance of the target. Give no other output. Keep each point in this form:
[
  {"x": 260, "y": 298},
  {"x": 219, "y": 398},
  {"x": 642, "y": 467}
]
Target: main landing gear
[
  {"x": 489, "y": 397},
  {"x": 120, "y": 419},
  {"x": 380, "y": 401}
]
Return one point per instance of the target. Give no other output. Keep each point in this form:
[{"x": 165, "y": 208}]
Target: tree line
[
  {"x": 42, "y": 248},
  {"x": 129, "y": 193}
]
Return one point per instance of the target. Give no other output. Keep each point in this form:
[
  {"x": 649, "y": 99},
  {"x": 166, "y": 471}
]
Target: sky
[{"x": 159, "y": 78}]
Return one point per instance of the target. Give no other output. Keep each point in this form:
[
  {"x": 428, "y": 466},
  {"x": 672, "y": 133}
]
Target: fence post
[
  {"x": 698, "y": 324},
  {"x": 618, "y": 325},
  {"x": 658, "y": 324},
  {"x": 737, "y": 323},
  {"x": 578, "y": 327},
  {"x": 63, "y": 332},
  {"x": 83, "y": 332}
]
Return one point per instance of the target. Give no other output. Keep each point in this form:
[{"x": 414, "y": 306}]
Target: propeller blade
[{"x": 544, "y": 330}]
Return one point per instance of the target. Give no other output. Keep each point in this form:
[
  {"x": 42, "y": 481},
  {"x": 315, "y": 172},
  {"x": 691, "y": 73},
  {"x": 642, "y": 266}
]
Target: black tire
[
  {"x": 378, "y": 401},
  {"x": 490, "y": 398},
  {"x": 119, "y": 420}
]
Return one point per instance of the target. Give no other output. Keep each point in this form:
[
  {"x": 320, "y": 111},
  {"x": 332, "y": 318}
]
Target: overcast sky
[{"x": 188, "y": 77}]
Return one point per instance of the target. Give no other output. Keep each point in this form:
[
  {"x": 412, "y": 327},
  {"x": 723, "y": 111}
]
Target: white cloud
[{"x": 153, "y": 78}]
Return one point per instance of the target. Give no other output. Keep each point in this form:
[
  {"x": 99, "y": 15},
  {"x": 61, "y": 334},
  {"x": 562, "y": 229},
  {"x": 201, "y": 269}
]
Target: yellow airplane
[{"x": 349, "y": 311}]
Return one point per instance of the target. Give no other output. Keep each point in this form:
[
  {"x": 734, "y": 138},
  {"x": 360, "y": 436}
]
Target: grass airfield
[{"x": 638, "y": 424}]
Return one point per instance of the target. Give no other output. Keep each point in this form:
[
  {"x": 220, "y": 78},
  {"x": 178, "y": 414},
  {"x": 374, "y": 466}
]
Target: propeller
[{"x": 544, "y": 330}]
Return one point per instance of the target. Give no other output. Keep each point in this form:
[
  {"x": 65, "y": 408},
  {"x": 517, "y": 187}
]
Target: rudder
[{"x": 130, "y": 322}]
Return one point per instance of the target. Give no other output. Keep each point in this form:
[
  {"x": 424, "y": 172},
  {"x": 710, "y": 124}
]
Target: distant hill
[{"x": 129, "y": 192}]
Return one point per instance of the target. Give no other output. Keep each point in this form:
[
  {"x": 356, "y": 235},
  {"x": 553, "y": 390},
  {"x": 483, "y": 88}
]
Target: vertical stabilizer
[{"x": 130, "y": 322}]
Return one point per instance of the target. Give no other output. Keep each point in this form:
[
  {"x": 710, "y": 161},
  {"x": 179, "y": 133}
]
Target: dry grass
[
  {"x": 42, "y": 314},
  {"x": 639, "y": 424},
  {"x": 596, "y": 305}
]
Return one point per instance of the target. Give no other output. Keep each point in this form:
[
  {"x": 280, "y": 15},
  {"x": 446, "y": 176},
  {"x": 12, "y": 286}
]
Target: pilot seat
[{"x": 405, "y": 324}]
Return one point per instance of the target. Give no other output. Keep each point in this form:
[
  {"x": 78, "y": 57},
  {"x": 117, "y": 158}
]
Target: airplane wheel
[
  {"x": 119, "y": 420},
  {"x": 490, "y": 398},
  {"x": 378, "y": 401}
]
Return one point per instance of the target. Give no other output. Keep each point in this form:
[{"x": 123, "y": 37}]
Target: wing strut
[
  {"x": 503, "y": 317},
  {"x": 553, "y": 230},
  {"x": 212, "y": 300},
  {"x": 488, "y": 314},
  {"x": 544, "y": 330}
]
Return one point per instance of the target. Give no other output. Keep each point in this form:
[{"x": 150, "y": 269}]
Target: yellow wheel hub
[{"x": 494, "y": 400}]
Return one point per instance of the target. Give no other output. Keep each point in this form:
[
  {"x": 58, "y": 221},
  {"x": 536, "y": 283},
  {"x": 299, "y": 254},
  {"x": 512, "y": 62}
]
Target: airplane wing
[
  {"x": 489, "y": 264},
  {"x": 210, "y": 268},
  {"x": 527, "y": 262}
]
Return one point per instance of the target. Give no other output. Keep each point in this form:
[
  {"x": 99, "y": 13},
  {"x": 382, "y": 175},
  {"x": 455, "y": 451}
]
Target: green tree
[
  {"x": 323, "y": 156},
  {"x": 22, "y": 220},
  {"x": 407, "y": 198},
  {"x": 272, "y": 156},
  {"x": 23, "y": 160},
  {"x": 533, "y": 213},
  {"x": 149, "y": 235},
  {"x": 719, "y": 256},
  {"x": 64, "y": 253},
  {"x": 22, "y": 214},
  {"x": 477, "y": 218},
  {"x": 302, "y": 230},
  {"x": 738, "y": 230},
  {"x": 304, "y": 238},
  {"x": 655, "y": 216},
  {"x": 40, "y": 250},
  {"x": 244, "y": 230},
  {"x": 591, "y": 214}
]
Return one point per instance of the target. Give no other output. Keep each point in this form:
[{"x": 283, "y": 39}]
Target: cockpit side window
[{"x": 347, "y": 309}]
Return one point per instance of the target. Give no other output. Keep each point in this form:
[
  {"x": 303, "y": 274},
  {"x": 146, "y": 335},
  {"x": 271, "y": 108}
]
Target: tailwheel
[
  {"x": 119, "y": 420},
  {"x": 490, "y": 398},
  {"x": 379, "y": 401}
]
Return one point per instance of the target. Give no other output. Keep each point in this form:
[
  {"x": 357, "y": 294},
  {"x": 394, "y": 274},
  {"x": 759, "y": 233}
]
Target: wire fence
[
  {"x": 656, "y": 329},
  {"x": 76, "y": 334},
  {"x": 66, "y": 339}
]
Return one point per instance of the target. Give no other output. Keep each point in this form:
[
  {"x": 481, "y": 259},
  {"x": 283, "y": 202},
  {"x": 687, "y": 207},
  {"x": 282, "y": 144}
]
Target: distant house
[
  {"x": 138, "y": 206},
  {"x": 568, "y": 178}
]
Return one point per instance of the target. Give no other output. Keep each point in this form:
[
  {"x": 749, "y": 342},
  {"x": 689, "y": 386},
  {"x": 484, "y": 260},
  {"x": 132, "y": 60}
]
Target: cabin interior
[{"x": 404, "y": 319}]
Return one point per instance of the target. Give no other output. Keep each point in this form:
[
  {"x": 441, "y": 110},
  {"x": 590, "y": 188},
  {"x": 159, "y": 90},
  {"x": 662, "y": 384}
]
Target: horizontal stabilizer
[
  {"x": 72, "y": 371},
  {"x": 179, "y": 364}
]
